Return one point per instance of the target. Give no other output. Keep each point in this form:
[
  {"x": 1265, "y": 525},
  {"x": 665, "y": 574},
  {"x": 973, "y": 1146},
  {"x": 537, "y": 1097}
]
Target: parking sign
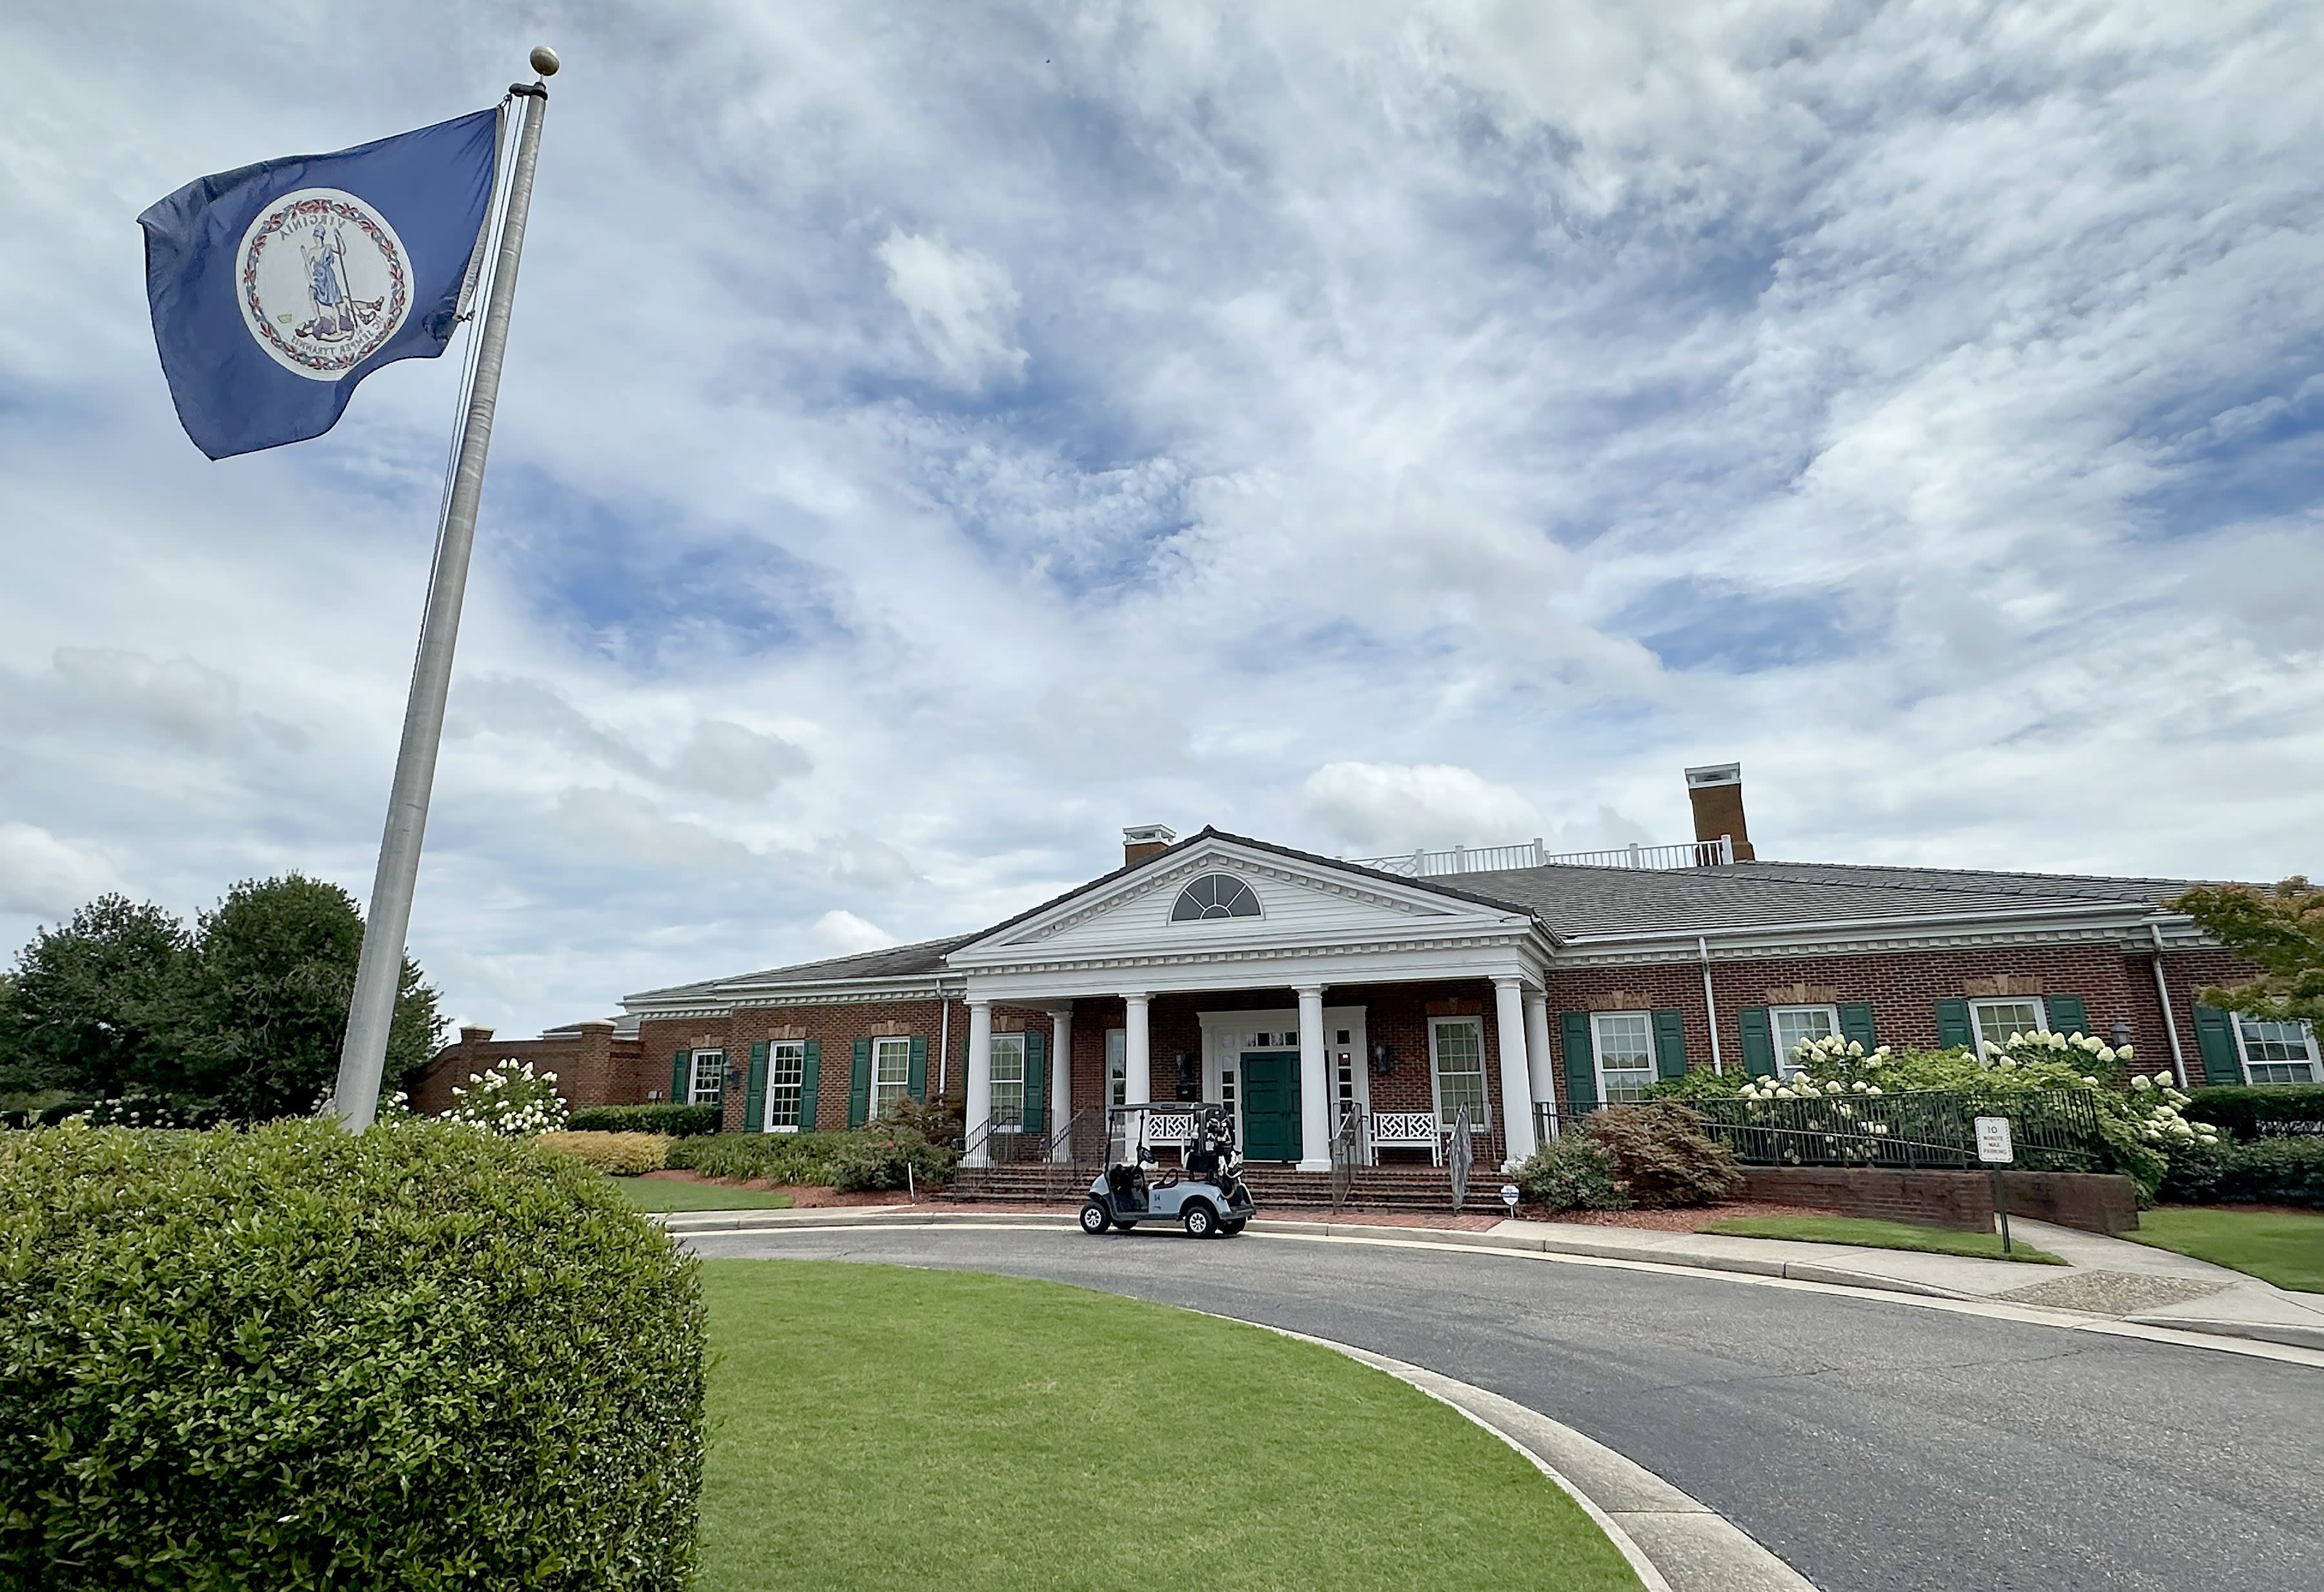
[{"x": 1992, "y": 1139}]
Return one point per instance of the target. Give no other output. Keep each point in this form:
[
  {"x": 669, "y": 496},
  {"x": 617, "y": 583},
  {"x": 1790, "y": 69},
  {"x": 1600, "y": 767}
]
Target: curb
[
  {"x": 1673, "y": 1541},
  {"x": 2195, "y": 1328}
]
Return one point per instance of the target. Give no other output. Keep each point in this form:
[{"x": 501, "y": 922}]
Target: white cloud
[
  {"x": 844, "y": 932},
  {"x": 1396, "y": 806},
  {"x": 47, "y": 877},
  {"x": 962, "y": 305}
]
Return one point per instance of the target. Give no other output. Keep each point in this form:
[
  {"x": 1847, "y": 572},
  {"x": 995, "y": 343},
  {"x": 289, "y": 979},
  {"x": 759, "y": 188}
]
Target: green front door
[{"x": 1270, "y": 1105}]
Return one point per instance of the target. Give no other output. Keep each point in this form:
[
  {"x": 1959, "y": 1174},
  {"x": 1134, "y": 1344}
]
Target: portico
[{"x": 1292, "y": 990}]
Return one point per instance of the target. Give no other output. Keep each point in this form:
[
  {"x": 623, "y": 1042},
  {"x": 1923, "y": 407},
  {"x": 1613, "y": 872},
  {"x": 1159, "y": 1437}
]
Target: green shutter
[
  {"x": 754, "y": 1099},
  {"x": 2066, "y": 1014},
  {"x": 1670, "y": 1043},
  {"x": 1856, "y": 1024},
  {"x": 1580, "y": 1064},
  {"x": 859, "y": 1086},
  {"x": 679, "y": 1094},
  {"x": 918, "y": 1076},
  {"x": 810, "y": 1083},
  {"x": 1758, "y": 1043},
  {"x": 2215, "y": 1036},
  {"x": 1037, "y": 1082},
  {"x": 1952, "y": 1026}
]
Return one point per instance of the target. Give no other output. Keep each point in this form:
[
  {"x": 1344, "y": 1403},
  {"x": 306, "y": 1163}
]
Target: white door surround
[{"x": 1223, "y": 1044}]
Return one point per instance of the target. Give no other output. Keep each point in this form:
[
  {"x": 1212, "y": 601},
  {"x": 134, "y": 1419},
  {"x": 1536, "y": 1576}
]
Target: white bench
[{"x": 1413, "y": 1130}]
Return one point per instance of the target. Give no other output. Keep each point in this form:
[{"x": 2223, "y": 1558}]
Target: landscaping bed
[{"x": 885, "y": 1427}]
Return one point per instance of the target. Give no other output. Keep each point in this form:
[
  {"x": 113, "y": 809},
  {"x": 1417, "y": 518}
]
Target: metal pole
[{"x": 379, "y": 975}]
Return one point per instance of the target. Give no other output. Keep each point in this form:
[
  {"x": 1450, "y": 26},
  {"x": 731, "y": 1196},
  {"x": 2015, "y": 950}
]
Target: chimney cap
[
  {"x": 1147, "y": 835},
  {"x": 1714, "y": 774}
]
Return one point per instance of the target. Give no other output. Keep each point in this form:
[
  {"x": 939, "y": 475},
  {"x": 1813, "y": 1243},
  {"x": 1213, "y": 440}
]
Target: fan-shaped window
[{"x": 1215, "y": 895}]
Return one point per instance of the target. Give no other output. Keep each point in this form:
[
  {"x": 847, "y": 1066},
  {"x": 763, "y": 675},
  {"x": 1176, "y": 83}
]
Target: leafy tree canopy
[
  {"x": 244, "y": 1017},
  {"x": 2282, "y": 930}
]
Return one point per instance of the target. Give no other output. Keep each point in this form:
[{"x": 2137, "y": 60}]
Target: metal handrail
[{"x": 1423, "y": 863}]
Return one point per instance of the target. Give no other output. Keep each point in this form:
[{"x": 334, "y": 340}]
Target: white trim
[
  {"x": 767, "y": 1123},
  {"x": 1483, "y": 1121},
  {"x": 1002, "y": 1046},
  {"x": 1784, "y": 1066},
  {"x": 871, "y": 1096},
  {"x": 1222, "y": 1032},
  {"x": 1598, "y": 1057},
  {"x": 2236, "y": 1021},
  {"x": 694, "y": 1059},
  {"x": 1977, "y": 1035}
]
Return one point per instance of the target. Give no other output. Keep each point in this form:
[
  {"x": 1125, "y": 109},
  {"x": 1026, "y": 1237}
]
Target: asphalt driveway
[{"x": 1873, "y": 1444}]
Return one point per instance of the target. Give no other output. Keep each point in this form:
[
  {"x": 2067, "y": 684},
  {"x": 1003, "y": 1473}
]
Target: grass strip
[
  {"x": 669, "y": 1193},
  {"x": 878, "y": 1426},
  {"x": 2285, "y": 1247},
  {"x": 1872, "y": 1233}
]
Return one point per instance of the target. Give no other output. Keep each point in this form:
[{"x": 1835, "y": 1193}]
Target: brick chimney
[
  {"x": 1716, "y": 790},
  {"x": 1141, "y": 841},
  {"x": 474, "y": 1035}
]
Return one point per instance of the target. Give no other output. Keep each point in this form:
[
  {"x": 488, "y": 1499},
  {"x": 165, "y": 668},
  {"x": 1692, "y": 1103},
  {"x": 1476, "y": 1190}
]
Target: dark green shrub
[
  {"x": 778, "y": 1157},
  {"x": 2263, "y": 1172},
  {"x": 678, "y": 1121},
  {"x": 1662, "y": 1156},
  {"x": 1572, "y": 1172},
  {"x": 875, "y": 1156},
  {"x": 422, "y": 1357},
  {"x": 2245, "y": 1110}
]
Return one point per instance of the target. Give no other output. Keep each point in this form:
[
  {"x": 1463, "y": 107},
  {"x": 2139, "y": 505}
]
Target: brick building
[{"x": 1518, "y": 985}]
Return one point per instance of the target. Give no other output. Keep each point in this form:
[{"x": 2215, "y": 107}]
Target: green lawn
[
  {"x": 666, "y": 1193},
  {"x": 1869, "y": 1233},
  {"x": 2279, "y": 1246},
  {"x": 879, "y": 1427}
]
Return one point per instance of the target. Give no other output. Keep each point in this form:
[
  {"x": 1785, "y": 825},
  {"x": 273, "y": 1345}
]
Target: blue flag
[{"x": 275, "y": 288}]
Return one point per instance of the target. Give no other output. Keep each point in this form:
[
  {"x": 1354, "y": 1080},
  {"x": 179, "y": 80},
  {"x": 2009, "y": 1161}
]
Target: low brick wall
[{"x": 2098, "y": 1203}]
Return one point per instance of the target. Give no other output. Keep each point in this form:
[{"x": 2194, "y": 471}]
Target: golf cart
[{"x": 1203, "y": 1193}]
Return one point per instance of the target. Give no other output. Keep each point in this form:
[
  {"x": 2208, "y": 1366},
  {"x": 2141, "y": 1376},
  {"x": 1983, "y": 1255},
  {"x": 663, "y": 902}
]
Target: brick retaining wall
[{"x": 2098, "y": 1203}]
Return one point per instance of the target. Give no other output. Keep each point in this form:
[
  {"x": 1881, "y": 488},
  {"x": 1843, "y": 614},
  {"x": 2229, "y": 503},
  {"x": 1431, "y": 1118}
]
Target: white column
[
  {"x": 1516, "y": 1081},
  {"x": 1314, "y": 1083},
  {"x": 1538, "y": 1064},
  {"x": 1061, "y": 1080},
  {"x": 1136, "y": 1062},
  {"x": 976, "y": 1108}
]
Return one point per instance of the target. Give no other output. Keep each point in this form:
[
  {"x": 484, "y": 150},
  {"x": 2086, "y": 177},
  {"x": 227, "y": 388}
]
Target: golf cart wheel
[
  {"x": 1200, "y": 1222},
  {"x": 1095, "y": 1219},
  {"x": 1231, "y": 1227}
]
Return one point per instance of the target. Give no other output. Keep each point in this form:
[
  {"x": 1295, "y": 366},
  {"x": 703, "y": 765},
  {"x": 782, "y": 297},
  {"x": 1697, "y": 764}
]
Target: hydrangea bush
[
  {"x": 511, "y": 1099},
  {"x": 2138, "y": 1113}
]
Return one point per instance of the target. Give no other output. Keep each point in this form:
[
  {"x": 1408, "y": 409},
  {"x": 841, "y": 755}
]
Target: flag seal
[{"x": 324, "y": 283}]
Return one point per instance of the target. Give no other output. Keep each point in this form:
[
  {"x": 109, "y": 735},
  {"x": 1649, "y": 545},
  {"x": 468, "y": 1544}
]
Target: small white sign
[
  {"x": 1992, "y": 1139},
  {"x": 1510, "y": 1195}
]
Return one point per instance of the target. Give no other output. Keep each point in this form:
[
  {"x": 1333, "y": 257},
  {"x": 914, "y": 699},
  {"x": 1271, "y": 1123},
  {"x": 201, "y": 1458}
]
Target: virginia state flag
[{"x": 275, "y": 288}]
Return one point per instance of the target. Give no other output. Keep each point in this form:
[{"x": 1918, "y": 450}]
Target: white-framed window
[
  {"x": 786, "y": 1072},
  {"x": 1117, "y": 1066},
  {"x": 891, "y": 1072},
  {"x": 1456, "y": 1057},
  {"x": 2277, "y": 1053},
  {"x": 1793, "y": 1024},
  {"x": 1995, "y": 1021},
  {"x": 707, "y": 1087},
  {"x": 1007, "y": 1082},
  {"x": 1624, "y": 1045}
]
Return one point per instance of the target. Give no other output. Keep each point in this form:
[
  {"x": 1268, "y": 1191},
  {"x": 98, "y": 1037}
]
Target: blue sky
[{"x": 934, "y": 437}]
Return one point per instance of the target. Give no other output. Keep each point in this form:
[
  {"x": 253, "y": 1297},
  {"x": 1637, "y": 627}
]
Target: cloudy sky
[{"x": 935, "y": 437}]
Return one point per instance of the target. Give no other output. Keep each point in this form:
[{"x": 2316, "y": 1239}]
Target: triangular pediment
[{"x": 1299, "y": 901}]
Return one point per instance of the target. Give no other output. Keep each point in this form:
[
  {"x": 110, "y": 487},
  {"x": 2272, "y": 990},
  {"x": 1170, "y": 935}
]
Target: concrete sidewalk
[{"x": 2110, "y": 1279}]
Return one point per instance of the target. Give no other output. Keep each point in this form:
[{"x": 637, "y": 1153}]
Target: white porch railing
[{"x": 1426, "y": 864}]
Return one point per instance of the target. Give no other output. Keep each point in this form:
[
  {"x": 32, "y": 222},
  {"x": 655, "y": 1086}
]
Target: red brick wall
[
  {"x": 2098, "y": 1203},
  {"x": 592, "y": 1069},
  {"x": 1903, "y": 990}
]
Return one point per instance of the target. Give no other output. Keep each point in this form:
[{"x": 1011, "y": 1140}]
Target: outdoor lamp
[
  {"x": 2121, "y": 1033},
  {"x": 734, "y": 1077},
  {"x": 1383, "y": 1059}
]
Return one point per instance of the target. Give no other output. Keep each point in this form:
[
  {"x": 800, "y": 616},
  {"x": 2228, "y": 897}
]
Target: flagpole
[{"x": 379, "y": 975}]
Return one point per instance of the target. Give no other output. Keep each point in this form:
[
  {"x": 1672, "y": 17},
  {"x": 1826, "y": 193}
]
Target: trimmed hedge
[
  {"x": 2240, "y": 1108},
  {"x": 677, "y": 1121},
  {"x": 778, "y": 1157},
  {"x": 616, "y": 1155},
  {"x": 422, "y": 1357},
  {"x": 2263, "y": 1172}
]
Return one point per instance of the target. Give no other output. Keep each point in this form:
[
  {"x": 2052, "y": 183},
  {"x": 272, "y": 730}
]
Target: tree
[
  {"x": 92, "y": 1008},
  {"x": 2282, "y": 930},
  {"x": 266, "y": 999}
]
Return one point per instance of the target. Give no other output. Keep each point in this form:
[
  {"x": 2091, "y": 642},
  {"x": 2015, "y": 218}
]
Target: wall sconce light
[
  {"x": 2121, "y": 1033},
  {"x": 734, "y": 1076},
  {"x": 1383, "y": 1059}
]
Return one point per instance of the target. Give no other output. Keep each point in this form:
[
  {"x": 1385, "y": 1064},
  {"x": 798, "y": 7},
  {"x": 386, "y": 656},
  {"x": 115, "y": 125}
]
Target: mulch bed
[{"x": 804, "y": 1196}]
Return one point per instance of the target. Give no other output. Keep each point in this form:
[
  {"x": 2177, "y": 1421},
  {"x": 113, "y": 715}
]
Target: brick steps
[{"x": 1375, "y": 1188}]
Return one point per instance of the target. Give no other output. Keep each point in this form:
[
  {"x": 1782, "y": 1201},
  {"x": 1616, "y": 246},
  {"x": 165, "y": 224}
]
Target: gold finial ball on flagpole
[{"x": 544, "y": 60}]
